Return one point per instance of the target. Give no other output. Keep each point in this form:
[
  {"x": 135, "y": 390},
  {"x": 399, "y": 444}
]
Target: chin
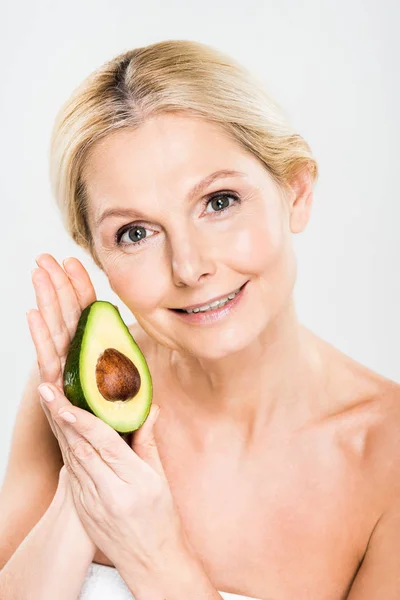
[{"x": 225, "y": 343}]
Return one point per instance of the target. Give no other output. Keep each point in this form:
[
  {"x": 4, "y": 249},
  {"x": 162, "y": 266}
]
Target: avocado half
[{"x": 105, "y": 372}]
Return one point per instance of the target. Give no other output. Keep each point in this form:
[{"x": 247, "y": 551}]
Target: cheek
[
  {"x": 139, "y": 286},
  {"x": 276, "y": 266},
  {"x": 259, "y": 245},
  {"x": 264, "y": 250}
]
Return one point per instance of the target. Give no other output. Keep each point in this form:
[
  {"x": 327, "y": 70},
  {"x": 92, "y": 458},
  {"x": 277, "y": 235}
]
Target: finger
[
  {"x": 53, "y": 425},
  {"x": 63, "y": 444},
  {"x": 68, "y": 483},
  {"x": 57, "y": 431},
  {"x": 80, "y": 485},
  {"x": 81, "y": 281},
  {"x": 48, "y": 360},
  {"x": 69, "y": 305},
  {"x": 68, "y": 440},
  {"x": 50, "y": 310},
  {"x": 70, "y": 469},
  {"x": 114, "y": 452},
  {"x": 82, "y": 462},
  {"x": 144, "y": 442}
]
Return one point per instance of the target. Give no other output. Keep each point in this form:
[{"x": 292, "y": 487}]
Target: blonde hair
[{"x": 171, "y": 75}]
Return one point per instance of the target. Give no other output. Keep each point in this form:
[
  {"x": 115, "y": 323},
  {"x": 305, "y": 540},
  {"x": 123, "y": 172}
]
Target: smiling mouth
[{"x": 213, "y": 304}]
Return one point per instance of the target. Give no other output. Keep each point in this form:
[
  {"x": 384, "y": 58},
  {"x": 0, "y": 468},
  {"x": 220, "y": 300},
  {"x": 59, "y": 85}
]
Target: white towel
[{"x": 105, "y": 583}]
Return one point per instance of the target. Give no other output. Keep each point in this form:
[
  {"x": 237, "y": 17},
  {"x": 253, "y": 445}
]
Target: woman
[{"x": 182, "y": 179}]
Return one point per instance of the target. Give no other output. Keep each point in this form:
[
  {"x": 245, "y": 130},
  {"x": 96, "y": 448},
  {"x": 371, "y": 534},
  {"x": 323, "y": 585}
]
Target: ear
[{"x": 301, "y": 198}]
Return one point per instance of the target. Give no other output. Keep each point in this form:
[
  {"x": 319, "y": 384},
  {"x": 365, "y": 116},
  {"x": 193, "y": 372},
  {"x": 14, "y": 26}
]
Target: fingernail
[
  {"x": 67, "y": 416},
  {"x": 67, "y": 266},
  {"x": 46, "y": 393}
]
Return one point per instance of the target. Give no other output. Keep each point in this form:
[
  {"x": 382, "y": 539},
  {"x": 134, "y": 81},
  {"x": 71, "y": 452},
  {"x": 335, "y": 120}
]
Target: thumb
[
  {"x": 63, "y": 488},
  {"x": 63, "y": 479},
  {"x": 144, "y": 442}
]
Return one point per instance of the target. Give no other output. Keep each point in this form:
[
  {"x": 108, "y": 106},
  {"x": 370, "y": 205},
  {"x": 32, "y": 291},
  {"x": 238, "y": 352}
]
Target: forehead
[{"x": 166, "y": 146}]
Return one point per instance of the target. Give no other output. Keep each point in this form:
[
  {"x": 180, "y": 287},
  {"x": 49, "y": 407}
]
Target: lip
[
  {"x": 208, "y": 301},
  {"x": 211, "y": 316}
]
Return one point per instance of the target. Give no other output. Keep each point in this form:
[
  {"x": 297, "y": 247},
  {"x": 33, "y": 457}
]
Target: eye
[
  {"x": 136, "y": 235},
  {"x": 220, "y": 201}
]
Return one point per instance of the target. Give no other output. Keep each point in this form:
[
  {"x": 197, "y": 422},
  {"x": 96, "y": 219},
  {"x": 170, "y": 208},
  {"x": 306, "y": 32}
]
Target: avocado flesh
[{"x": 100, "y": 333}]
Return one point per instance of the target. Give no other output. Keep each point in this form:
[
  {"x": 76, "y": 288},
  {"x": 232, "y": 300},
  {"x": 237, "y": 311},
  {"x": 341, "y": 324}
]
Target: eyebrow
[{"x": 130, "y": 212}]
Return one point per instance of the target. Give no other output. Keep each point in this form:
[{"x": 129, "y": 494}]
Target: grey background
[{"x": 332, "y": 65}]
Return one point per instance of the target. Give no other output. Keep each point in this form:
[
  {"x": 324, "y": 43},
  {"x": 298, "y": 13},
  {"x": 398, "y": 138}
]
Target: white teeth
[{"x": 216, "y": 304}]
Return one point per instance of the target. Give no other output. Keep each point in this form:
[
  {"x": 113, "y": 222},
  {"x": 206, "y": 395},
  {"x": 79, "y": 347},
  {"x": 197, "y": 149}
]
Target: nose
[{"x": 191, "y": 259}]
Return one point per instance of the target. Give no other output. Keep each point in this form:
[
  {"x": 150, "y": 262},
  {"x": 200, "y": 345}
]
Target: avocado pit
[{"x": 117, "y": 377}]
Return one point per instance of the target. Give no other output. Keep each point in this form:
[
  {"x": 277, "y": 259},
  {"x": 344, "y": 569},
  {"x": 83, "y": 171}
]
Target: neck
[{"x": 276, "y": 381}]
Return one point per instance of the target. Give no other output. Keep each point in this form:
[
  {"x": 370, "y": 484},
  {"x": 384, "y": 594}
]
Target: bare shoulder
[
  {"x": 360, "y": 427},
  {"x": 366, "y": 420},
  {"x": 384, "y": 455}
]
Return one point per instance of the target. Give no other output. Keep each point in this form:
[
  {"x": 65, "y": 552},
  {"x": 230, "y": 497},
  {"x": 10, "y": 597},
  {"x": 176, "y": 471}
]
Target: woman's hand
[
  {"x": 61, "y": 297},
  {"x": 121, "y": 494}
]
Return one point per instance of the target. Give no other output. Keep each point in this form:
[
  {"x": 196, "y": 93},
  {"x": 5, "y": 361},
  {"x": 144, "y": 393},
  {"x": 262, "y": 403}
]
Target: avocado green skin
[{"x": 72, "y": 383}]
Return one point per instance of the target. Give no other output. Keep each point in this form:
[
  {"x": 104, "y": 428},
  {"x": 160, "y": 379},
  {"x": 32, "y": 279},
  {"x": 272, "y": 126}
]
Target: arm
[
  {"x": 379, "y": 574},
  {"x": 31, "y": 475},
  {"x": 28, "y": 505},
  {"x": 52, "y": 561}
]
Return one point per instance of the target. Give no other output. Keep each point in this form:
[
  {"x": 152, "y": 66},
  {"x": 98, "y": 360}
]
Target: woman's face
[{"x": 180, "y": 246}]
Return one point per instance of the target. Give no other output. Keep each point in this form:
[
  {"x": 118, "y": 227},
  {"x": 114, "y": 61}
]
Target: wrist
[
  {"x": 178, "y": 576},
  {"x": 72, "y": 521}
]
